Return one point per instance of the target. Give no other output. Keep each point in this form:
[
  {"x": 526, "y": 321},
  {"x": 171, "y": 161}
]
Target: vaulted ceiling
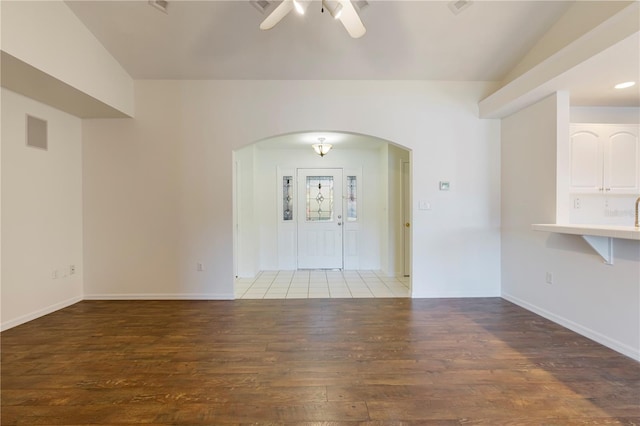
[
  {"x": 422, "y": 40},
  {"x": 405, "y": 40}
]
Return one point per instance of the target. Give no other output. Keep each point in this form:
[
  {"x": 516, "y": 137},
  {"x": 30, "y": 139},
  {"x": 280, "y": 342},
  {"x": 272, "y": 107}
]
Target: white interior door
[
  {"x": 320, "y": 219},
  {"x": 406, "y": 216}
]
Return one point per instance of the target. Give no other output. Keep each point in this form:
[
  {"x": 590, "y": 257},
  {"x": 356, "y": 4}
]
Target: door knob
[
  {"x": 339, "y": 223},
  {"x": 407, "y": 225}
]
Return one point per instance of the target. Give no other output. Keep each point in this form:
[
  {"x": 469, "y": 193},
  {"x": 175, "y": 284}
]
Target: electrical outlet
[
  {"x": 549, "y": 278},
  {"x": 54, "y": 274},
  {"x": 424, "y": 205},
  {"x": 199, "y": 267},
  {"x": 576, "y": 203},
  {"x": 72, "y": 269}
]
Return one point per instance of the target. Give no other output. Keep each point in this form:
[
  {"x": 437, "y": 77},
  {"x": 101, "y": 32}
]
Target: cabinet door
[
  {"x": 621, "y": 160},
  {"x": 586, "y": 159}
]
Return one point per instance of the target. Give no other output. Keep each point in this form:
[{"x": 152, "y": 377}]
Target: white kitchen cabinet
[{"x": 605, "y": 158}]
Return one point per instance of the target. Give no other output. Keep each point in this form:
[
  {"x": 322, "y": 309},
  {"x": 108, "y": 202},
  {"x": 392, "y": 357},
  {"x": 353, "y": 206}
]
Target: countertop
[{"x": 612, "y": 231}]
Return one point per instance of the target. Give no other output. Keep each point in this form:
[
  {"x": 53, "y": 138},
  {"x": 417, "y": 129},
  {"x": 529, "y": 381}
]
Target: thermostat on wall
[{"x": 444, "y": 185}]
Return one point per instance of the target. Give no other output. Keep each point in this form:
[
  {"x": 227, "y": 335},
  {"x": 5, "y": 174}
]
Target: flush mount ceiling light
[
  {"x": 322, "y": 148},
  {"x": 625, "y": 85},
  {"x": 341, "y": 10}
]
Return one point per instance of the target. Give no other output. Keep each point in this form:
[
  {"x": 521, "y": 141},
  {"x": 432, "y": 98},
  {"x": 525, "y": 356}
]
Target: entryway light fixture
[
  {"x": 625, "y": 85},
  {"x": 322, "y": 148}
]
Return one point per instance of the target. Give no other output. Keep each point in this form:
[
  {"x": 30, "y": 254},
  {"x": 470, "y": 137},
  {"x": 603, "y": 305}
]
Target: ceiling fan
[{"x": 342, "y": 10}]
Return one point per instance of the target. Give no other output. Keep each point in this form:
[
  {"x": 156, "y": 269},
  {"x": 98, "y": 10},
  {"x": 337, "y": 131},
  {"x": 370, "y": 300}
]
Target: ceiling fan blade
[
  {"x": 276, "y": 16},
  {"x": 351, "y": 20}
]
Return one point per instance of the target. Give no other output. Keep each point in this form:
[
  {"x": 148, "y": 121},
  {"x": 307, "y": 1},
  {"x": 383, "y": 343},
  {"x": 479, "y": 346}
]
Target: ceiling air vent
[
  {"x": 459, "y": 5},
  {"x": 161, "y": 5},
  {"x": 262, "y": 5}
]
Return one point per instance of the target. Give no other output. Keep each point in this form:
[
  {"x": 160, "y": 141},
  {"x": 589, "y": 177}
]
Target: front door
[{"x": 320, "y": 219}]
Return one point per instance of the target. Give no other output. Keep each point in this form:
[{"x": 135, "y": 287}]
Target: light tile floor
[{"x": 309, "y": 284}]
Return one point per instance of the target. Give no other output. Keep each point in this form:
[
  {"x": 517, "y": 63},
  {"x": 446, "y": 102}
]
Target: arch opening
[{"x": 368, "y": 226}]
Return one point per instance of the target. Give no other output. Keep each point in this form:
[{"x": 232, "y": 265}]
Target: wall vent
[
  {"x": 161, "y": 5},
  {"x": 36, "y": 132},
  {"x": 458, "y": 6}
]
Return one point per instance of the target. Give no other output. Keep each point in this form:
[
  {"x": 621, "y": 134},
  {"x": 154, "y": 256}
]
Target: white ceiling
[
  {"x": 405, "y": 40},
  {"x": 591, "y": 83},
  {"x": 421, "y": 40}
]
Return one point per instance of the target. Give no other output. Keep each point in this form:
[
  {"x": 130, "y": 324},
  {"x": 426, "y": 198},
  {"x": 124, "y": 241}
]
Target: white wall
[
  {"x": 599, "y": 209},
  {"x": 49, "y": 36},
  {"x": 609, "y": 115},
  {"x": 158, "y": 189},
  {"x": 597, "y": 300},
  {"x": 248, "y": 245},
  {"x": 137, "y": 184},
  {"x": 41, "y": 212}
]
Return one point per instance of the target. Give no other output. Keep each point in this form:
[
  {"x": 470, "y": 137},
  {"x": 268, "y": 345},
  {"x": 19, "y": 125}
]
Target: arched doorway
[{"x": 366, "y": 228}]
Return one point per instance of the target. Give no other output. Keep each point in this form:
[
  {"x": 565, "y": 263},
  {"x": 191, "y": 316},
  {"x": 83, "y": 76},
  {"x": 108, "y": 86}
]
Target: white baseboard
[
  {"x": 617, "y": 346},
  {"x": 39, "y": 313},
  {"x": 161, "y": 296},
  {"x": 452, "y": 295}
]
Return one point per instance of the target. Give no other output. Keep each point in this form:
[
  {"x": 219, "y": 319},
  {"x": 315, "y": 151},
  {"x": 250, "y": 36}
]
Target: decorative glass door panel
[
  {"x": 319, "y": 198},
  {"x": 320, "y": 228}
]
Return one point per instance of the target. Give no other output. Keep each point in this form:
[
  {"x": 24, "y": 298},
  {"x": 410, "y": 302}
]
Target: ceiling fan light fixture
[
  {"x": 334, "y": 8},
  {"x": 337, "y": 12},
  {"x": 346, "y": 14},
  {"x": 625, "y": 85},
  {"x": 300, "y": 6}
]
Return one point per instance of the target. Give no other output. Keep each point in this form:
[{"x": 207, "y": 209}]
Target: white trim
[
  {"x": 617, "y": 346},
  {"x": 39, "y": 313},
  {"x": 161, "y": 296},
  {"x": 450, "y": 294}
]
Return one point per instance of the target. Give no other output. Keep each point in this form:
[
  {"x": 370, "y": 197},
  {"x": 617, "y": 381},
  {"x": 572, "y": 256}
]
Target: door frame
[{"x": 405, "y": 179}]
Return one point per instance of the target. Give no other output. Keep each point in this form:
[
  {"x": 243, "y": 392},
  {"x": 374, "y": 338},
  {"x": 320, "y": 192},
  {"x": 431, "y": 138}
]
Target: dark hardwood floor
[{"x": 311, "y": 361}]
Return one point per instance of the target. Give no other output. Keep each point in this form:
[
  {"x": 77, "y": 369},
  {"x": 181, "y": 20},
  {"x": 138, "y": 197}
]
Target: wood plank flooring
[{"x": 310, "y": 362}]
